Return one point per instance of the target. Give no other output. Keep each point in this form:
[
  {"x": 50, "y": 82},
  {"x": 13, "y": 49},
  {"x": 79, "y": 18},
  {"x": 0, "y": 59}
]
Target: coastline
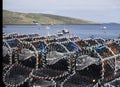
[{"x": 52, "y": 24}]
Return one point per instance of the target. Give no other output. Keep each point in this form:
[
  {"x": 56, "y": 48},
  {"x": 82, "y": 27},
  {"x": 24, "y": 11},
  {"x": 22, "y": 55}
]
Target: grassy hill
[{"x": 10, "y": 17}]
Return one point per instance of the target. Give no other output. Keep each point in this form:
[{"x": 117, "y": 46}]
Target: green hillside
[{"x": 10, "y": 17}]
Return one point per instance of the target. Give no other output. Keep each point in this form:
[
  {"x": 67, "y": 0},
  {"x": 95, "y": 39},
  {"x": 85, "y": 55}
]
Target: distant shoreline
[
  {"x": 10, "y": 17},
  {"x": 50, "y": 24}
]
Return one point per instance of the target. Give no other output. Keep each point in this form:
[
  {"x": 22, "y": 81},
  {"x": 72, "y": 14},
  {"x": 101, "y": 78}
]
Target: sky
[{"x": 103, "y": 11}]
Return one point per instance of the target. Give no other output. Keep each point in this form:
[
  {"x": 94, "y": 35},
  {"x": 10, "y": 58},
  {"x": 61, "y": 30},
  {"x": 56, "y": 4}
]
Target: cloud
[
  {"x": 62, "y": 4},
  {"x": 75, "y": 8}
]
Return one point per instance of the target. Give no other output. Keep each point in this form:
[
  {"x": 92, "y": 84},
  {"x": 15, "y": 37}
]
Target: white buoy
[{"x": 104, "y": 27}]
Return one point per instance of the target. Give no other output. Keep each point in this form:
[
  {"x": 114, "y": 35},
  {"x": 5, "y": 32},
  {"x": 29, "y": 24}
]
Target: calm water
[{"x": 107, "y": 31}]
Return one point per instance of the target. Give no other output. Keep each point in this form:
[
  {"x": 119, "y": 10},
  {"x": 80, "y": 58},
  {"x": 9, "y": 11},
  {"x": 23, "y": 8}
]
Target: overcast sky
[{"x": 93, "y": 10}]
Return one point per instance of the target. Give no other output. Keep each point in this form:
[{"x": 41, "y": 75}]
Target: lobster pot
[
  {"x": 47, "y": 74},
  {"x": 62, "y": 65},
  {"x": 31, "y": 62},
  {"x": 114, "y": 47},
  {"x": 13, "y": 43},
  {"x": 27, "y": 55},
  {"x": 116, "y": 83},
  {"x": 44, "y": 83},
  {"x": 39, "y": 46},
  {"x": 9, "y": 47},
  {"x": 6, "y": 53},
  {"x": 86, "y": 77},
  {"x": 61, "y": 56},
  {"x": 17, "y": 75},
  {"x": 109, "y": 68}
]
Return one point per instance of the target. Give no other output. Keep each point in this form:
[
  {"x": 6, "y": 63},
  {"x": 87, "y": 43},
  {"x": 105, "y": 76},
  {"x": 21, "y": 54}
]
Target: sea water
[{"x": 106, "y": 31}]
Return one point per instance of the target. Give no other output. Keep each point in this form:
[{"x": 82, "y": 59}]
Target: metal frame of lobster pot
[
  {"x": 43, "y": 83},
  {"x": 39, "y": 45},
  {"x": 109, "y": 56},
  {"x": 92, "y": 68},
  {"x": 87, "y": 72},
  {"x": 27, "y": 55},
  {"x": 9, "y": 47},
  {"x": 17, "y": 76},
  {"x": 57, "y": 62},
  {"x": 60, "y": 56}
]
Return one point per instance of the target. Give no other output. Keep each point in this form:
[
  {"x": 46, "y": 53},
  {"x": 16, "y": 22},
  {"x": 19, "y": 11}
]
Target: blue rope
[{"x": 77, "y": 49}]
